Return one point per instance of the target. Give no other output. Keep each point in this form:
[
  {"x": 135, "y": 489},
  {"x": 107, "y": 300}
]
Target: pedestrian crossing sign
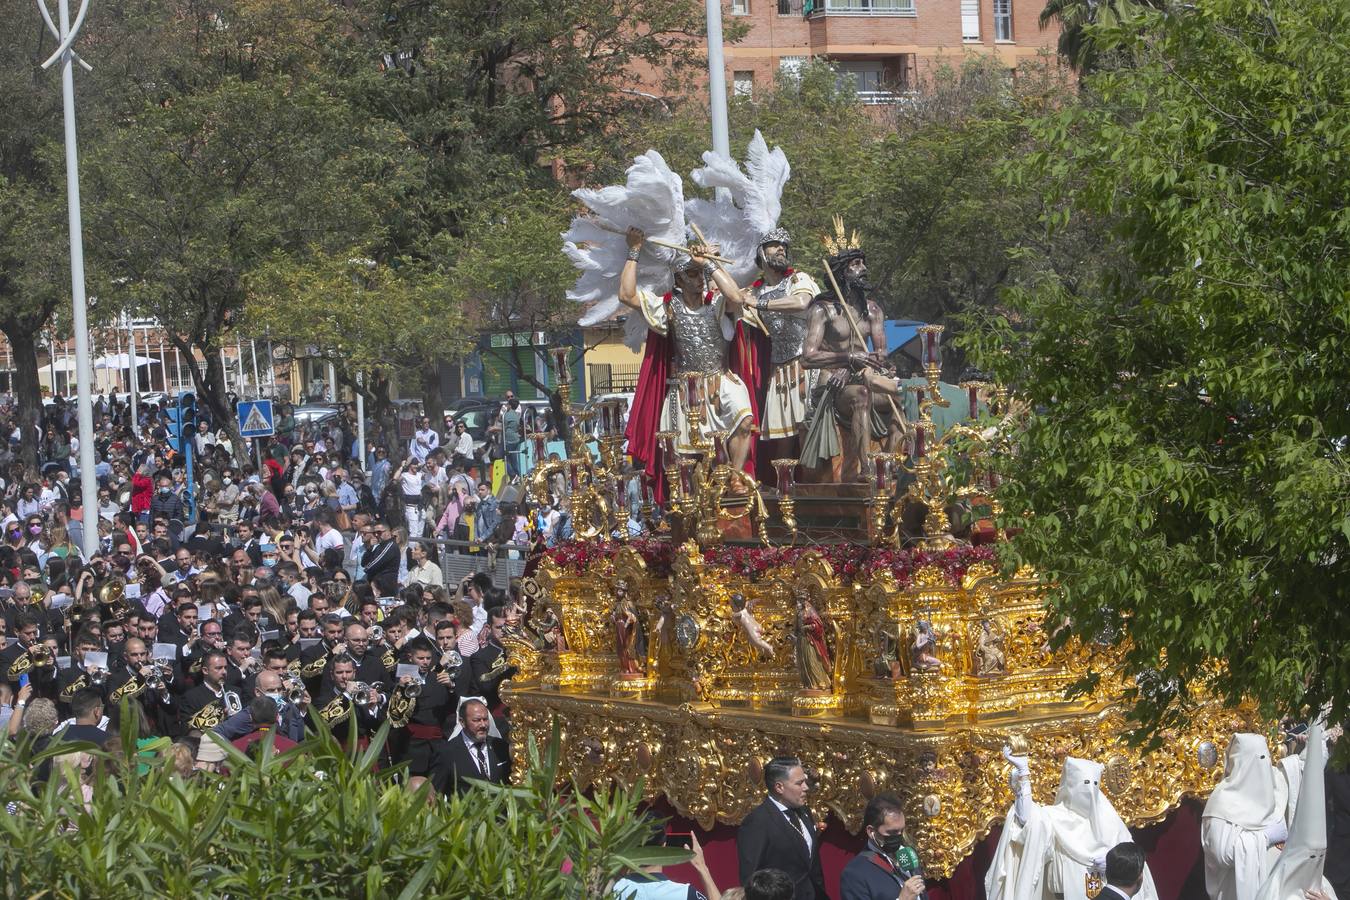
[{"x": 255, "y": 418}]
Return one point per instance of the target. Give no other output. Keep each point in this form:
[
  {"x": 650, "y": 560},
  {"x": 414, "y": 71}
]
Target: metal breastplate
[
  {"x": 699, "y": 345},
  {"x": 787, "y": 330}
]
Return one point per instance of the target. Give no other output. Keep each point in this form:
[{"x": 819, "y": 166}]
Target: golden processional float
[{"x": 863, "y": 628}]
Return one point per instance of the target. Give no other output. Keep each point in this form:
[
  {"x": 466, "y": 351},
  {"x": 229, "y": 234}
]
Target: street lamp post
[
  {"x": 717, "y": 80},
  {"x": 65, "y": 34}
]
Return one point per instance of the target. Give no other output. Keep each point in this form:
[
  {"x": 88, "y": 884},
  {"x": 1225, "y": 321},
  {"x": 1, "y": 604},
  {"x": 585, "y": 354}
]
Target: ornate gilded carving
[{"x": 876, "y": 685}]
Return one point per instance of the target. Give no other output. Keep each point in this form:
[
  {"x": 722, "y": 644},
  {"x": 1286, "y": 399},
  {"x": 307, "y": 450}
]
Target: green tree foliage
[
  {"x": 314, "y": 822},
  {"x": 1078, "y": 42},
  {"x": 1183, "y": 479},
  {"x": 242, "y": 150}
]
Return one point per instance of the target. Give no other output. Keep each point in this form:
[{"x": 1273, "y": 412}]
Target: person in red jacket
[{"x": 142, "y": 489}]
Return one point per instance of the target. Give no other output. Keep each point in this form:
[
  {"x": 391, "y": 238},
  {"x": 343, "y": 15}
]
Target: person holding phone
[{"x": 650, "y": 884}]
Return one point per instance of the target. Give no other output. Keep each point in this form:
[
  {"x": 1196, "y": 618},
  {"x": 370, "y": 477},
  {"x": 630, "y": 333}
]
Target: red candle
[
  {"x": 918, "y": 442},
  {"x": 621, "y": 498},
  {"x": 647, "y": 491},
  {"x": 604, "y": 420},
  {"x": 784, "y": 479},
  {"x": 539, "y": 447},
  {"x": 720, "y": 448},
  {"x": 929, "y": 347},
  {"x": 974, "y": 401},
  {"x": 560, "y": 355},
  {"x": 687, "y": 478},
  {"x": 882, "y": 464},
  {"x": 691, "y": 390},
  {"x": 572, "y": 470}
]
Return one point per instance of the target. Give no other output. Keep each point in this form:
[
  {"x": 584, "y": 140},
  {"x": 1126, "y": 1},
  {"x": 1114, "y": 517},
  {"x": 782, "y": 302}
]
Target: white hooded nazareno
[
  {"x": 1045, "y": 852},
  {"x": 1241, "y": 821},
  {"x": 1299, "y": 867}
]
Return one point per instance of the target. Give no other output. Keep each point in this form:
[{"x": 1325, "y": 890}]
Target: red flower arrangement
[{"x": 849, "y": 560}]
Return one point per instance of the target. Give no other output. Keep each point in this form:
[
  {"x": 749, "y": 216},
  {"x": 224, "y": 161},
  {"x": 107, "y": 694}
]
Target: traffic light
[{"x": 182, "y": 420}]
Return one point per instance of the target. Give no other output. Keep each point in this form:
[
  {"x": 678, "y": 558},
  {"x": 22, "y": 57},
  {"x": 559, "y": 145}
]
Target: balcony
[
  {"x": 892, "y": 8},
  {"x": 885, "y": 98}
]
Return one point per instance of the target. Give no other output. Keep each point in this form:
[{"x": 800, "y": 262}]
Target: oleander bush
[{"x": 314, "y": 822}]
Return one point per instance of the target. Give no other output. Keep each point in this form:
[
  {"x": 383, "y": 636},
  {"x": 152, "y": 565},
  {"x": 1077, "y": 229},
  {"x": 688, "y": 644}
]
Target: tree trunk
[
  {"x": 23, "y": 346},
  {"x": 433, "y": 405},
  {"x": 210, "y": 383}
]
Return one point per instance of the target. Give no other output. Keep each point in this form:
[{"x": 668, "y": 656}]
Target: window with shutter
[{"x": 970, "y": 20}]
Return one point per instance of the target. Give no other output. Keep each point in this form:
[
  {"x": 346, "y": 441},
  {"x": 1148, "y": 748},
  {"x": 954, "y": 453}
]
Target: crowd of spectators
[{"x": 261, "y": 602}]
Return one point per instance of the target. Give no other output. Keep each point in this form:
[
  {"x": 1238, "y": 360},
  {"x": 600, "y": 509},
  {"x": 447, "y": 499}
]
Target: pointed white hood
[
  {"x": 1246, "y": 796},
  {"x": 1299, "y": 867}
]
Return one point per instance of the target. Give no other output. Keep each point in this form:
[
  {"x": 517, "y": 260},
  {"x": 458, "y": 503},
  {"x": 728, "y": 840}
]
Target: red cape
[{"x": 644, "y": 419}]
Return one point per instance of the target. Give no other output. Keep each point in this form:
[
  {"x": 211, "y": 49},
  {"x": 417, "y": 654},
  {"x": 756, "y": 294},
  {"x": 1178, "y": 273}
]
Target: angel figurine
[{"x": 743, "y": 613}]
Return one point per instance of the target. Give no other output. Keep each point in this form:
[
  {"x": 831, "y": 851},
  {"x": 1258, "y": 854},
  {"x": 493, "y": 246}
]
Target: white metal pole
[
  {"x": 135, "y": 381},
  {"x": 88, "y": 482},
  {"x": 360, "y": 422},
  {"x": 717, "y": 79},
  {"x": 257, "y": 384},
  {"x": 332, "y": 384}
]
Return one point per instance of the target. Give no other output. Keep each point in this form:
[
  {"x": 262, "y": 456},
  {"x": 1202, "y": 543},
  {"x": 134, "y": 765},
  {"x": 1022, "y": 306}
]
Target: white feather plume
[
  {"x": 651, "y": 198},
  {"x": 756, "y": 202}
]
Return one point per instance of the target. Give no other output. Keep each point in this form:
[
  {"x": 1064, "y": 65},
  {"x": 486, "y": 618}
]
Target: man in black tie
[
  {"x": 780, "y": 833},
  {"x": 474, "y": 752},
  {"x": 1124, "y": 872}
]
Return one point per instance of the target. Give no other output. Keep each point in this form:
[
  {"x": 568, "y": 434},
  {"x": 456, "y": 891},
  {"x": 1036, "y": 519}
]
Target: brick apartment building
[{"x": 885, "y": 46}]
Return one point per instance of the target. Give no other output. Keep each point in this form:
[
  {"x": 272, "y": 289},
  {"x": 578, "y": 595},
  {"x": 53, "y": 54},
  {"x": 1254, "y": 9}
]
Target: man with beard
[
  {"x": 209, "y": 703},
  {"x": 371, "y": 665},
  {"x": 691, "y": 330},
  {"x": 781, "y": 297},
  {"x": 835, "y": 331},
  {"x": 346, "y": 701},
  {"x": 476, "y": 751},
  {"x": 315, "y": 662}
]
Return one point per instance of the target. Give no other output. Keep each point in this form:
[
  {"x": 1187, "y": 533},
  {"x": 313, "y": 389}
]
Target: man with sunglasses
[{"x": 381, "y": 556}]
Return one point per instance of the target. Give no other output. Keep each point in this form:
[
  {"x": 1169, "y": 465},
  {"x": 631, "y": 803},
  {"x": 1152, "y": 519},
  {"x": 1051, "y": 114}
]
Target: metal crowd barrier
[{"x": 457, "y": 561}]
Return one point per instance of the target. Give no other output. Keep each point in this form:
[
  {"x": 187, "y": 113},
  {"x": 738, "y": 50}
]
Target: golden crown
[{"x": 841, "y": 241}]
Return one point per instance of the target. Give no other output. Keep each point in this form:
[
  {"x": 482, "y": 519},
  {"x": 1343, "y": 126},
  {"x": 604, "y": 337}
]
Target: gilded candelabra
[
  {"x": 700, "y": 480},
  {"x": 595, "y": 480},
  {"x": 927, "y": 458},
  {"x": 787, "y": 506}
]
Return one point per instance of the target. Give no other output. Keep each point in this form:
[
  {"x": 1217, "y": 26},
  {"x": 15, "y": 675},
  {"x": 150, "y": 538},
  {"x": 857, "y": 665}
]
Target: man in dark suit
[
  {"x": 780, "y": 833},
  {"x": 472, "y": 751},
  {"x": 1124, "y": 872}
]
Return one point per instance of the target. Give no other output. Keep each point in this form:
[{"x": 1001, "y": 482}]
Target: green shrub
[{"x": 314, "y": 822}]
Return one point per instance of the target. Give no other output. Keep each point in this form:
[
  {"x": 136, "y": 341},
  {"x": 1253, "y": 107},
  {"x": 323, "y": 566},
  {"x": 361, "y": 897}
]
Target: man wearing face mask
[
  {"x": 291, "y": 716},
  {"x": 882, "y": 871},
  {"x": 166, "y": 504}
]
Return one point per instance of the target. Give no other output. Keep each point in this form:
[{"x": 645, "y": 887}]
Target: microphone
[{"x": 907, "y": 861}]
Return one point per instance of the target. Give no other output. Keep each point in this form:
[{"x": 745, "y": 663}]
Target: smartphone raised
[{"x": 681, "y": 839}]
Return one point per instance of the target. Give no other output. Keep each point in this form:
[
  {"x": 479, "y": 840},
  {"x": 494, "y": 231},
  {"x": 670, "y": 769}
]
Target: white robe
[
  {"x": 1235, "y": 859},
  {"x": 1300, "y": 866},
  {"x": 1233, "y": 827},
  {"x": 1052, "y": 851}
]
